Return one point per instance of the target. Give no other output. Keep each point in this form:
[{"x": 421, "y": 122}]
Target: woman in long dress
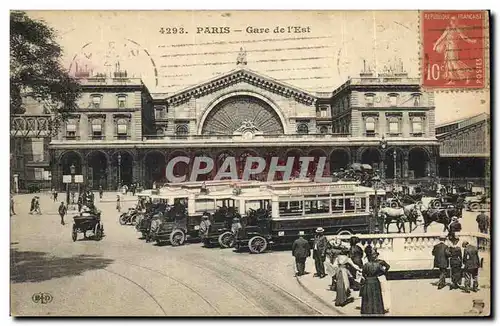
[
  {"x": 447, "y": 43},
  {"x": 342, "y": 275},
  {"x": 372, "y": 302}
]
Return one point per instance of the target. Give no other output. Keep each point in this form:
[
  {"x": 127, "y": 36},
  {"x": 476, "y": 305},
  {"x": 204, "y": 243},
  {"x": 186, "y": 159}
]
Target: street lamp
[
  {"x": 375, "y": 181},
  {"x": 119, "y": 170}
]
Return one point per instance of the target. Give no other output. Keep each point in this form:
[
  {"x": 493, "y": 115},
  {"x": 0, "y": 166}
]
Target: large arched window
[{"x": 302, "y": 128}]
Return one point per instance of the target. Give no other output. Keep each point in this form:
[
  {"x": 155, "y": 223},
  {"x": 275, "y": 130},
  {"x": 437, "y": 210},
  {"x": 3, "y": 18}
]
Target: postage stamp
[{"x": 453, "y": 49}]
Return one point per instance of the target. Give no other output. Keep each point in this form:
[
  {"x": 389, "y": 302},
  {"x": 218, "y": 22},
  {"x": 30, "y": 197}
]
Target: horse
[
  {"x": 442, "y": 216},
  {"x": 399, "y": 216}
]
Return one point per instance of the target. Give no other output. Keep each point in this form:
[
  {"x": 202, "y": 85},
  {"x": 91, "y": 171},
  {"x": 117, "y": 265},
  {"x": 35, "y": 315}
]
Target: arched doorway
[
  {"x": 97, "y": 173},
  {"x": 372, "y": 157},
  {"x": 339, "y": 159},
  {"x": 123, "y": 165},
  {"x": 155, "y": 164},
  {"x": 313, "y": 166},
  {"x": 389, "y": 163},
  {"x": 180, "y": 169},
  {"x": 66, "y": 161},
  {"x": 418, "y": 163},
  {"x": 219, "y": 161},
  {"x": 203, "y": 165},
  {"x": 296, "y": 154}
]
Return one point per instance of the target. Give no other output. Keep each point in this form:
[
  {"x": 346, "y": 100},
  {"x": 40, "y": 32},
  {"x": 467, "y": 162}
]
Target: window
[
  {"x": 96, "y": 101},
  {"x": 416, "y": 100},
  {"x": 96, "y": 128},
  {"x": 71, "y": 129},
  {"x": 182, "y": 130},
  {"x": 393, "y": 125},
  {"x": 370, "y": 99},
  {"x": 417, "y": 125},
  {"x": 370, "y": 126},
  {"x": 393, "y": 99},
  {"x": 302, "y": 129},
  {"x": 160, "y": 112},
  {"x": 323, "y": 130},
  {"x": 122, "y": 101},
  {"x": 122, "y": 127}
]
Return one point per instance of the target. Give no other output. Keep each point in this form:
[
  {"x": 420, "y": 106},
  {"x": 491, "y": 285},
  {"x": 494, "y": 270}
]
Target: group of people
[
  {"x": 354, "y": 269},
  {"x": 463, "y": 262}
]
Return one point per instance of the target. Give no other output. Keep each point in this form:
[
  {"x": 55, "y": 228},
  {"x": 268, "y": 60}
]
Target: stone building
[{"x": 124, "y": 134}]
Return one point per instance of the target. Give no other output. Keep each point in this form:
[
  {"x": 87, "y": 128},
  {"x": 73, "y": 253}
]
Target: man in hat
[
  {"x": 441, "y": 260},
  {"x": 301, "y": 250},
  {"x": 471, "y": 266},
  {"x": 321, "y": 245},
  {"x": 483, "y": 222},
  {"x": 455, "y": 254}
]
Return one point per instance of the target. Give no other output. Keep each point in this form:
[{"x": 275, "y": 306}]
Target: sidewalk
[{"x": 417, "y": 297}]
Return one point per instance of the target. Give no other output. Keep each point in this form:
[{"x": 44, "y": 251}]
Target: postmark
[{"x": 453, "y": 49}]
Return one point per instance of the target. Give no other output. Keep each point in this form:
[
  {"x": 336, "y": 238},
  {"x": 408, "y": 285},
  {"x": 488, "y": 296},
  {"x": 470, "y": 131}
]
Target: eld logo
[{"x": 42, "y": 297}]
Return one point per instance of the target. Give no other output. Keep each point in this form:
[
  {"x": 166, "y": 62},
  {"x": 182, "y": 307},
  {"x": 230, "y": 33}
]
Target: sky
[{"x": 313, "y": 50}]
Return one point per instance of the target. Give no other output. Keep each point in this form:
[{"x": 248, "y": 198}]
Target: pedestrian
[
  {"x": 441, "y": 260},
  {"x": 118, "y": 206},
  {"x": 301, "y": 250},
  {"x": 483, "y": 222},
  {"x": 453, "y": 228},
  {"x": 37, "y": 206},
  {"x": 62, "y": 211},
  {"x": 372, "y": 302},
  {"x": 455, "y": 254},
  {"x": 321, "y": 245},
  {"x": 12, "y": 211},
  {"x": 33, "y": 205},
  {"x": 100, "y": 192},
  {"x": 340, "y": 278},
  {"x": 356, "y": 254},
  {"x": 384, "y": 284},
  {"x": 471, "y": 267}
]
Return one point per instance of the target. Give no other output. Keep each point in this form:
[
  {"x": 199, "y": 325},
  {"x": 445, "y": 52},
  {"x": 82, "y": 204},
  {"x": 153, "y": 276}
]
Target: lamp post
[
  {"x": 119, "y": 170},
  {"x": 375, "y": 180}
]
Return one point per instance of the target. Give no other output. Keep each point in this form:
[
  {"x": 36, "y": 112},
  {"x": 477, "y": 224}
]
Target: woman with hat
[
  {"x": 341, "y": 276},
  {"x": 372, "y": 302}
]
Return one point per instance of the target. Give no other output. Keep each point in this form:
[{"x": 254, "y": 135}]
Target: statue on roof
[{"x": 242, "y": 57}]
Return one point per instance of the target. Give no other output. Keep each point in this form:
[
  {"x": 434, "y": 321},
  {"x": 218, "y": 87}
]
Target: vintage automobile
[
  {"x": 278, "y": 215},
  {"x": 88, "y": 221}
]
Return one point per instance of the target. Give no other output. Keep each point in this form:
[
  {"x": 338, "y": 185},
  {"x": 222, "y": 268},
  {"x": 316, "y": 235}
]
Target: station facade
[{"x": 122, "y": 133}]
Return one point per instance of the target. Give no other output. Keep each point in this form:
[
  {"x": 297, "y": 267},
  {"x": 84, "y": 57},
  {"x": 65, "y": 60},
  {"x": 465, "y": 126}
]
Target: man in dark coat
[
  {"x": 455, "y": 254},
  {"x": 301, "y": 250},
  {"x": 441, "y": 261},
  {"x": 483, "y": 222},
  {"x": 321, "y": 245},
  {"x": 471, "y": 266},
  {"x": 62, "y": 212}
]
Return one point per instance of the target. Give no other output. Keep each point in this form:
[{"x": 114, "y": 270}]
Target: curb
[{"x": 314, "y": 295}]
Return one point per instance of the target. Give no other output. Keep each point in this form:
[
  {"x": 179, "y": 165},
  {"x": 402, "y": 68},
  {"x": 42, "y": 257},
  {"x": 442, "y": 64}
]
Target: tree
[{"x": 36, "y": 69}]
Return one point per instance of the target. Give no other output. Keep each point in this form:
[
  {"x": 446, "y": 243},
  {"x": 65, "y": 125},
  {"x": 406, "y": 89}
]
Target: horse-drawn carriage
[{"x": 88, "y": 221}]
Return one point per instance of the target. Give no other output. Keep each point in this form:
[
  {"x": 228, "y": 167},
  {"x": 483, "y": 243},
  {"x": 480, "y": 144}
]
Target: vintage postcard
[{"x": 250, "y": 163}]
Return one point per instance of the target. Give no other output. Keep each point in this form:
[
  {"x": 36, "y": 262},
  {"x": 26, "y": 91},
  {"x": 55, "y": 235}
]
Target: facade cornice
[{"x": 241, "y": 75}]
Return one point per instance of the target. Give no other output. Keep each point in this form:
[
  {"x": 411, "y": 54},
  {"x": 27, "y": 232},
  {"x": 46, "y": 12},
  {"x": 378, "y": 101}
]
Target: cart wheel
[
  {"x": 436, "y": 204},
  {"x": 122, "y": 219},
  {"x": 226, "y": 240},
  {"x": 177, "y": 238},
  {"x": 257, "y": 244},
  {"x": 474, "y": 207},
  {"x": 74, "y": 234}
]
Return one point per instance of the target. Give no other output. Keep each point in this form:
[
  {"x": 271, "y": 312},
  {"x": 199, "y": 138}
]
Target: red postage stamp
[{"x": 453, "y": 49}]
